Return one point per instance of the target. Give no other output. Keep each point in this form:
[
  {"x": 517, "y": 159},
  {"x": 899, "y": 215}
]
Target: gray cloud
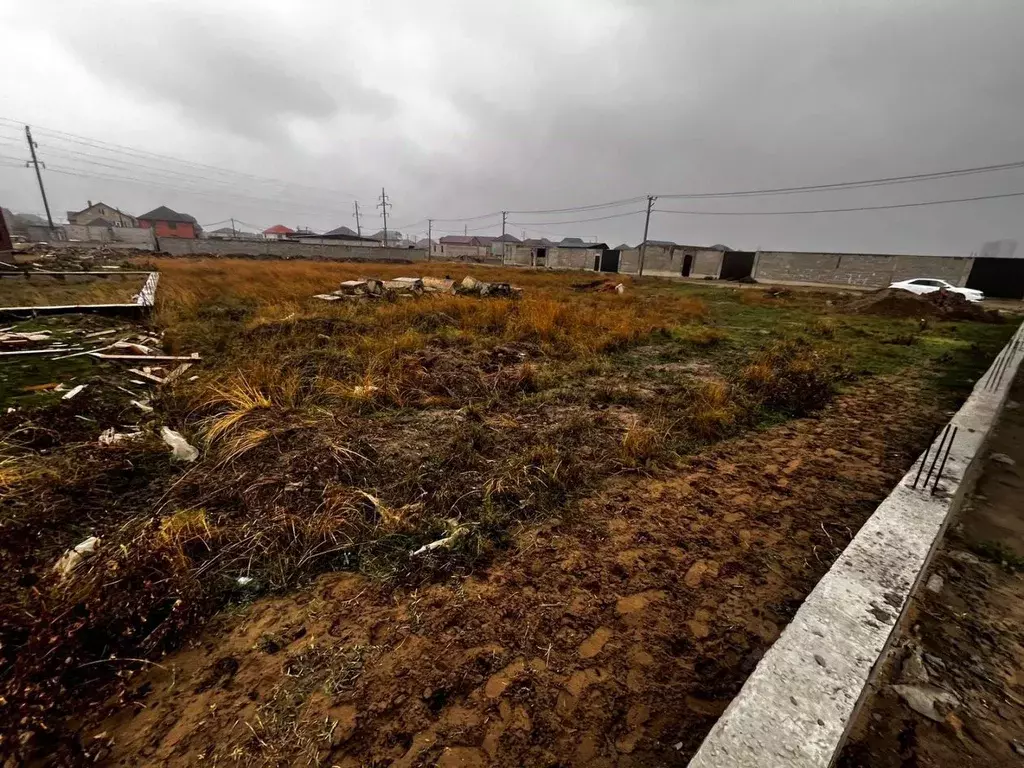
[{"x": 461, "y": 108}]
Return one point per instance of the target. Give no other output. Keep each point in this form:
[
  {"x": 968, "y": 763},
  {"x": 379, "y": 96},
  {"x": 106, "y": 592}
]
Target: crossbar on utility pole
[
  {"x": 647, "y": 225},
  {"x": 39, "y": 176}
]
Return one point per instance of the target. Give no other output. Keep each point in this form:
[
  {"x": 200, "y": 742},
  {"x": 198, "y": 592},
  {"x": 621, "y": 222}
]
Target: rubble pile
[
  {"x": 42, "y": 256},
  {"x": 410, "y": 287}
]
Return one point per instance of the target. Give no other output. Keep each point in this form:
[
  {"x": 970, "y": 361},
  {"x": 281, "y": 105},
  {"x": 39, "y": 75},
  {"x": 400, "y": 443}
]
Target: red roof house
[{"x": 278, "y": 232}]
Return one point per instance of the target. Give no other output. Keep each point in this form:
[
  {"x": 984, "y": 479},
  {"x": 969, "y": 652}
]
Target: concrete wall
[
  {"x": 667, "y": 261},
  {"x": 868, "y": 270},
  {"x": 480, "y": 254},
  {"x": 572, "y": 258},
  {"x": 139, "y": 236},
  {"x": 707, "y": 263},
  {"x": 288, "y": 250}
]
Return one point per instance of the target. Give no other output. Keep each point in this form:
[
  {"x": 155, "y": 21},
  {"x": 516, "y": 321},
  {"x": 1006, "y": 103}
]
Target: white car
[{"x": 929, "y": 284}]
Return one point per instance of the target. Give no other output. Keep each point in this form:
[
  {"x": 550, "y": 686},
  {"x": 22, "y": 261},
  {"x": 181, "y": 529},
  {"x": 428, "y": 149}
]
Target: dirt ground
[
  {"x": 964, "y": 637},
  {"x": 614, "y": 637}
]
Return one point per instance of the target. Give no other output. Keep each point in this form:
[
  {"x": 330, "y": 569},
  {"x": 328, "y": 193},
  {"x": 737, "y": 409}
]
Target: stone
[
  {"x": 1002, "y": 458},
  {"x": 927, "y": 700},
  {"x": 935, "y": 583}
]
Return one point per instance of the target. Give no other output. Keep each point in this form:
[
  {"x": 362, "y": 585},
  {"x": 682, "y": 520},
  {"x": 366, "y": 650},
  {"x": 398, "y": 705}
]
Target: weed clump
[{"x": 790, "y": 377}]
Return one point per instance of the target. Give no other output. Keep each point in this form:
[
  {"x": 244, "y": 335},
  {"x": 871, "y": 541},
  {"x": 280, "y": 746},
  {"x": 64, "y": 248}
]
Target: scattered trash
[
  {"x": 447, "y": 541},
  {"x": 181, "y": 450},
  {"x": 244, "y": 581},
  {"x": 74, "y": 391},
  {"x": 927, "y": 700},
  {"x": 111, "y": 436},
  {"x": 72, "y": 558},
  {"x": 144, "y": 407},
  {"x": 620, "y": 288},
  {"x": 1002, "y": 458},
  {"x": 147, "y": 376},
  {"x": 177, "y": 372}
]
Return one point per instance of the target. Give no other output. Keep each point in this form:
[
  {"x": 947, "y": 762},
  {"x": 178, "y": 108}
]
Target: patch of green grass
[{"x": 1000, "y": 554}]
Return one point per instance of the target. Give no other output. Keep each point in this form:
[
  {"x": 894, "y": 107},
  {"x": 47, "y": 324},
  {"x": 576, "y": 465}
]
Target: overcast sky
[{"x": 461, "y": 108}]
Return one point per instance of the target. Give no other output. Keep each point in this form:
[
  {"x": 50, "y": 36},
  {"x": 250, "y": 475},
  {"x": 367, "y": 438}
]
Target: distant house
[
  {"x": 337, "y": 236},
  {"x": 227, "y": 233},
  {"x": 278, "y": 232},
  {"x": 466, "y": 247},
  {"x": 390, "y": 238},
  {"x": 101, "y": 215},
  {"x": 167, "y": 223}
]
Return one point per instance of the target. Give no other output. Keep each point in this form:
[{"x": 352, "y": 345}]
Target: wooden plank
[{"x": 147, "y": 358}]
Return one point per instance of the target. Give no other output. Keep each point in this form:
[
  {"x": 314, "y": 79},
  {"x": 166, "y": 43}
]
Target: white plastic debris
[
  {"x": 73, "y": 391},
  {"x": 244, "y": 581},
  {"x": 144, "y": 407},
  {"x": 181, "y": 450},
  {"x": 71, "y": 559},
  {"x": 111, "y": 436},
  {"x": 445, "y": 542},
  {"x": 620, "y": 288}
]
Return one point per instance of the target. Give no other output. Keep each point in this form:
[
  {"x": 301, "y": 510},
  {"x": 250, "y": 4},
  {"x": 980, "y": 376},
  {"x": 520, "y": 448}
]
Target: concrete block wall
[
  {"x": 707, "y": 263},
  {"x": 865, "y": 270},
  {"x": 663, "y": 261},
  {"x": 143, "y": 238},
  {"x": 629, "y": 261},
  {"x": 286, "y": 249},
  {"x": 572, "y": 258}
]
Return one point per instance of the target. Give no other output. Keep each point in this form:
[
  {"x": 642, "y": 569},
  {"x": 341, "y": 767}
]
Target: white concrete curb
[{"x": 797, "y": 707}]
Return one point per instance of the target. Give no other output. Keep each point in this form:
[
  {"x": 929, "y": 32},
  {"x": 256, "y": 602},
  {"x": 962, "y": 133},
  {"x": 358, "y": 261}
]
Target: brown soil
[
  {"x": 965, "y": 639},
  {"x": 944, "y": 305},
  {"x": 614, "y": 637}
]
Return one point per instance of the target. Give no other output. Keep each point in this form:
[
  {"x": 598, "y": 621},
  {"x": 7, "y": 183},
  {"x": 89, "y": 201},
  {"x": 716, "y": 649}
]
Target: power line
[
  {"x": 572, "y": 221},
  {"x": 107, "y": 146},
  {"x": 595, "y": 206},
  {"x": 884, "y": 181},
  {"x": 842, "y": 210}
]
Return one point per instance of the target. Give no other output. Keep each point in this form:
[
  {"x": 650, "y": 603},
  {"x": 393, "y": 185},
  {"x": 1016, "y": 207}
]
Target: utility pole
[
  {"x": 384, "y": 205},
  {"x": 359, "y": 229},
  {"x": 647, "y": 224},
  {"x": 465, "y": 230},
  {"x": 233, "y": 232},
  {"x": 504, "y": 216},
  {"x": 430, "y": 240},
  {"x": 39, "y": 176}
]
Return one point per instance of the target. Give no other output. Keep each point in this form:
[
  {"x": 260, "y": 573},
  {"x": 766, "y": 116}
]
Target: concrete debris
[
  {"x": 418, "y": 286},
  {"x": 1002, "y": 458},
  {"x": 74, "y": 391},
  {"x": 73, "y": 558},
  {"x": 438, "y": 285},
  {"x": 935, "y": 583},
  {"x": 181, "y": 450},
  {"x": 912, "y": 670},
  {"x": 927, "y": 700},
  {"x": 964, "y": 557}
]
